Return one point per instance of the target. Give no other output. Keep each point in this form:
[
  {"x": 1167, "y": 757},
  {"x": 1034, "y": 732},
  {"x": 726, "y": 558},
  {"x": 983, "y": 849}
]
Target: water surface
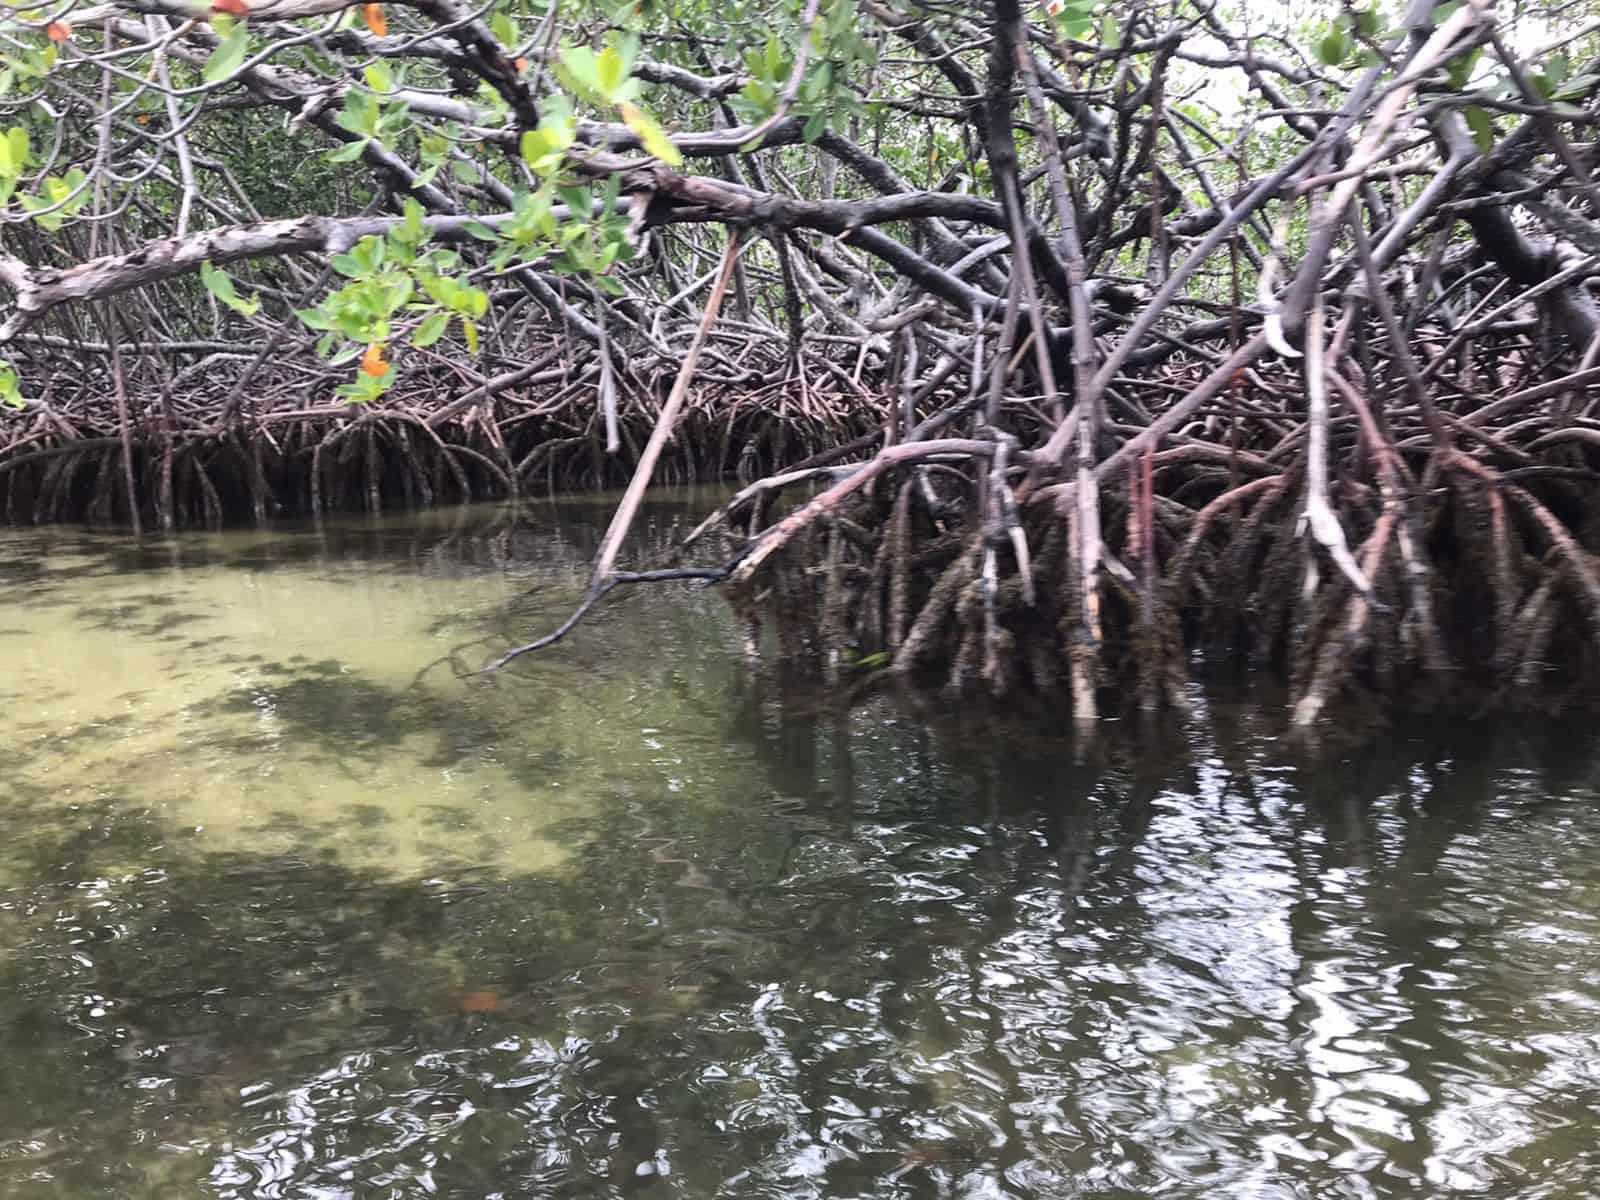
[{"x": 289, "y": 907}]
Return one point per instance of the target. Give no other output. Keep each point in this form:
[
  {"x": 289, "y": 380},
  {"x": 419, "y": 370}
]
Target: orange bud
[
  {"x": 237, "y": 8},
  {"x": 143, "y": 118},
  {"x": 373, "y": 362},
  {"x": 522, "y": 65},
  {"x": 376, "y": 21},
  {"x": 58, "y": 32}
]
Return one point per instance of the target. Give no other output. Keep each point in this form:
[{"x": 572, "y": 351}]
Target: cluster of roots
[
  {"x": 1482, "y": 586},
  {"x": 72, "y": 462}
]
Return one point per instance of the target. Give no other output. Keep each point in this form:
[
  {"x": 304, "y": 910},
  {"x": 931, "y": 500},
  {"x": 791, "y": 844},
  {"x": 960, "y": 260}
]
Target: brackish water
[{"x": 289, "y": 908}]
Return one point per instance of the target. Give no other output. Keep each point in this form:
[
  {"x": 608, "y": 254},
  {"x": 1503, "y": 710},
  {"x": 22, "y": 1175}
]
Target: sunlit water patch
[{"x": 291, "y": 905}]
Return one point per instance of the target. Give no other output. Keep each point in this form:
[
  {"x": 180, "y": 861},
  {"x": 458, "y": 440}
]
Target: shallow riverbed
[{"x": 288, "y": 907}]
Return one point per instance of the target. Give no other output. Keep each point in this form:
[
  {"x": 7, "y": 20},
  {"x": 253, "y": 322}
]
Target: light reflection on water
[{"x": 283, "y": 914}]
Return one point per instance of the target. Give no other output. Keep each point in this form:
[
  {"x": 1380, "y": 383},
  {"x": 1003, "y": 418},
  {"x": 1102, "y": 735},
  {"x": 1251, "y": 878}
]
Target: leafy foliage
[{"x": 547, "y": 124}]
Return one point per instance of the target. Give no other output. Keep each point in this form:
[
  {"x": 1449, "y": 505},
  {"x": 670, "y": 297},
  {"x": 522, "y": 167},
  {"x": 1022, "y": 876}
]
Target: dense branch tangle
[{"x": 1057, "y": 340}]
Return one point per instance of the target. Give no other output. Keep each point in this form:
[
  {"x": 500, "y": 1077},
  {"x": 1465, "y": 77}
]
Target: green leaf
[
  {"x": 544, "y": 149},
  {"x": 1482, "y": 128},
  {"x": 611, "y": 71},
  {"x": 14, "y": 152},
  {"x": 61, "y": 187},
  {"x": 367, "y": 388},
  {"x": 579, "y": 199},
  {"x": 412, "y": 231},
  {"x": 543, "y": 216},
  {"x": 220, "y": 285},
  {"x": 229, "y": 55},
  {"x": 655, "y": 139},
  {"x": 437, "y": 287},
  {"x": 348, "y": 152},
  {"x": 395, "y": 119},
  {"x": 504, "y": 28},
  {"x": 1461, "y": 68},
  {"x": 536, "y": 147},
  {"x": 356, "y": 114},
  {"x": 558, "y": 121},
  {"x": 470, "y": 328},
  {"x": 1333, "y": 47},
  {"x": 760, "y": 98},
  {"x": 370, "y": 252},
  {"x": 380, "y": 78},
  {"x": 10, "y": 387},
  {"x": 581, "y": 65},
  {"x": 431, "y": 329},
  {"x": 627, "y": 45},
  {"x": 1577, "y": 87}
]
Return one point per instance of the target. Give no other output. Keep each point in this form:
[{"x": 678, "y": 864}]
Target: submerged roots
[{"x": 1478, "y": 588}]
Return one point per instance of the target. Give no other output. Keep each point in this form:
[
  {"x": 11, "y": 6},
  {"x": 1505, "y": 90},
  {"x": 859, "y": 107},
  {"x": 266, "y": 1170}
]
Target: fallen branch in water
[{"x": 597, "y": 592}]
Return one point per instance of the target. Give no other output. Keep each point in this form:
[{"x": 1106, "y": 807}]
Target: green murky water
[{"x": 289, "y": 909}]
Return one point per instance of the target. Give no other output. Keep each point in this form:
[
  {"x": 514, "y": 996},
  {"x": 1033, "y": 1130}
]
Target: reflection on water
[{"x": 288, "y": 908}]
